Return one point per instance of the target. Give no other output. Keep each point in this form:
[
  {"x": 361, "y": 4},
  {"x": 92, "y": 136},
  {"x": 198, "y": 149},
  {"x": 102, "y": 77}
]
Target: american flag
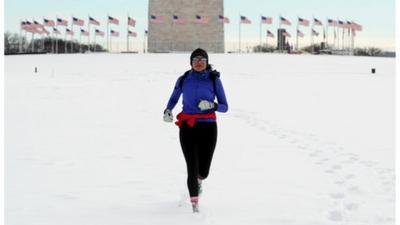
[
  {"x": 99, "y": 33},
  {"x": 77, "y": 21},
  {"x": 93, "y": 21},
  {"x": 49, "y": 23},
  {"x": 340, "y": 24},
  {"x": 84, "y": 33},
  {"x": 304, "y": 22},
  {"x": 37, "y": 24},
  {"x": 24, "y": 25},
  {"x": 300, "y": 34},
  {"x": 244, "y": 20},
  {"x": 270, "y": 34},
  {"x": 201, "y": 19},
  {"x": 355, "y": 26},
  {"x": 155, "y": 19},
  {"x": 113, "y": 20},
  {"x": 131, "y": 22},
  {"x": 132, "y": 34},
  {"x": 285, "y": 21},
  {"x": 348, "y": 24},
  {"x": 315, "y": 33},
  {"x": 114, "y": 33},
  {"x": 223, "y": 19},
  {"x": 69, "y": 32},
  {"x": 28, "y": 27},
  {"x": 177, "y": 20},
  {"x": 55, "y": 31},
  {"x": 332, "y": 22},
  {"x": 266, "y": 20},
  {"x": 317, "y": 22},
  {"x": 286, "y": 34},
  {"x": 62, "y": 22}
]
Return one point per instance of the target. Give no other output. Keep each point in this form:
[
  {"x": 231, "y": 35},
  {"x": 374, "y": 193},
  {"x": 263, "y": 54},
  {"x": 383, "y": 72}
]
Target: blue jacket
[{"x": 198, "y": 86}]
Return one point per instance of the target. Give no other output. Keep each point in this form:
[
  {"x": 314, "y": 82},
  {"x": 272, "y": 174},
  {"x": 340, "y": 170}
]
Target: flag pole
[
  {"x": 260, "y": 30},
  {"x": 89, "y": 33},
  {"x": 42, "y": 36},
  {"x": 280, "y": 27},
  {"x": 25, "y": 34},
  {"x": 297, "y": 34},
  {"x": 108, "y": 42},
  {"x": 52, "y": 41},
  {"x": 352, "y": 44},
  {"x": 33, "y": 35},
  {"x": 55, "y": 47},
  {"x": 56, "y": 34},
  {"x": 20, "y": 36},
  {"x": 349, "y": 36},
  {"x": 56, "y": 41},
  {"x": 94, "y": 49},
  {"x": 327, "y": 33},
  {"x": 127, "y": 34},
  {"x": 65, "y": 41},
  {"x": 33, "y": 41},
  {"x": 72, "y": 34},
  {"x": 343, "y": 37},
  {"x": 240, "y": 49},
  {"x": 334, "y": 34},
  {"x": 337, "y": 35},
  {"x": 144, "y": 42},
  {"x": 80, "y": 42},
  {"x": 312, "y": 34}
]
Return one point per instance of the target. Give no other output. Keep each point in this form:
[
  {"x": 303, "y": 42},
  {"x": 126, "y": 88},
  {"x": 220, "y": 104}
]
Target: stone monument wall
[{"x": 170, "y": 37}]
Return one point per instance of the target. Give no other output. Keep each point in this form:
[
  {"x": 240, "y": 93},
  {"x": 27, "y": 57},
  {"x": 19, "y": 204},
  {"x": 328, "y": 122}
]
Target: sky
[{"x": 376, "y": 16}]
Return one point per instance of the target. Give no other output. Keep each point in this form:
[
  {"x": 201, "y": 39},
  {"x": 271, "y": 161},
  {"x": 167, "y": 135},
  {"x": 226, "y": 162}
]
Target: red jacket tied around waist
[{"x": 191, "y": 118}]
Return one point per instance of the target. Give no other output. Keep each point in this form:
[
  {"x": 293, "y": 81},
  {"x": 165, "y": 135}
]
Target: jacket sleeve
[
  {"x": 173, "y": 100},
  {"x": 220, "y": 93}
]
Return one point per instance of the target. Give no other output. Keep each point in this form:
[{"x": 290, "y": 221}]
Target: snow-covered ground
[{"x": 307, "y": 140}]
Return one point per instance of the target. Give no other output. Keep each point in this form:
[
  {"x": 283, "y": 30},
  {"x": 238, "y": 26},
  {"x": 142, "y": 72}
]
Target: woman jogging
[{"x": 197, "y": 121}]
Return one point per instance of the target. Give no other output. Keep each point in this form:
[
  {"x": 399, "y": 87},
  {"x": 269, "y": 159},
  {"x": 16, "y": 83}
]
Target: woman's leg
[
  {"x": 187, "y": 137},
  {"x": 207, "y": 142}
]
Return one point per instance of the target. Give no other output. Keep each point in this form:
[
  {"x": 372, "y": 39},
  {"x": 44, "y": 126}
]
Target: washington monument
[{"x": 167, "y": 36}]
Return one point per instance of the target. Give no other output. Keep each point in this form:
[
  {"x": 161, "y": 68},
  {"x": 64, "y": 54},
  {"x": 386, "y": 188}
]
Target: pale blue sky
[{"x": 376, "y": 16}]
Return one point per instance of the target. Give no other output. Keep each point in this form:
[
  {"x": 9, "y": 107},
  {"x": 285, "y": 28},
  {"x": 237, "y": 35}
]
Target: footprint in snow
[
  {"x": 336, "y": 167},
  {"x": 335, "y": 216},
  {"x": 340, "y": 182},
  {"x": 354, "y": 190},
  {"x": 351, "y": 206},
  {"x": 337, "y": 195},
  {"x": 350, "y": 176}
]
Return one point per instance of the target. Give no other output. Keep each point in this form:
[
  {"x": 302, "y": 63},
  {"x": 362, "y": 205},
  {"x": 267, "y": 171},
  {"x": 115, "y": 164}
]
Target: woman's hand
[
  {"x": 168, "y": 117},
  {"x": 206, "y": 105}
]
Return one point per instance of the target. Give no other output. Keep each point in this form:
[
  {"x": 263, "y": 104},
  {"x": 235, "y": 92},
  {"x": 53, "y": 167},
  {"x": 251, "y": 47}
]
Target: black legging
[{"x": 198, "y": 144}]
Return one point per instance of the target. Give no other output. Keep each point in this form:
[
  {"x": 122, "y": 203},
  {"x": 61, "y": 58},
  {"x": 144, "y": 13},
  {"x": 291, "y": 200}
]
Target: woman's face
[{"x": 199, "y": 63}]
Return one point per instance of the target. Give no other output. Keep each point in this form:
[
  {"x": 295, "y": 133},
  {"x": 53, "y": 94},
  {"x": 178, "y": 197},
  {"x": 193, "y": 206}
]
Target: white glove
[
  {"x": 205, "y": 105},
  {"x": 168, "y": 117}
]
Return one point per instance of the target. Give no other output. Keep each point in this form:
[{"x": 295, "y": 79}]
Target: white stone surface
[{"x": 169, "y": 37}]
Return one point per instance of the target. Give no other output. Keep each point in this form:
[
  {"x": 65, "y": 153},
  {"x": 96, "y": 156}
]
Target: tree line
[{"x": 16, "y": 44}]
